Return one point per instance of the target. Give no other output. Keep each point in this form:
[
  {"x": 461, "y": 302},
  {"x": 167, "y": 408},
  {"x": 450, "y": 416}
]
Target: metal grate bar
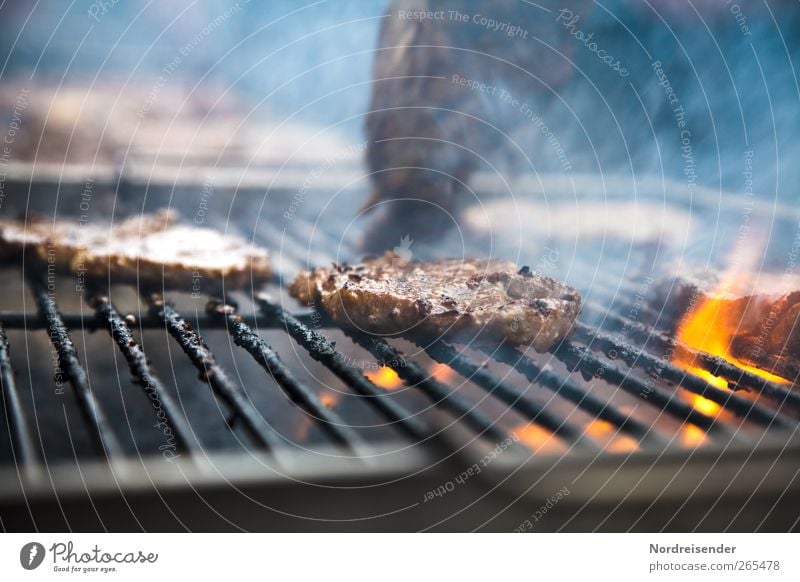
[
  {"x": 142, "y": 374},
  {"x": 19, "y": 431},
  {"x": 195, "y": 347},
  {"x": 639, "y": 358},
  {"x": 578, "y": 358},
  {"x": 438, "y": 393},
  {"x": 267, "y": 358},
  {"x": 319, "y": 348},
  {"x": 712, "y": 364},
  {"x": 99, "y": 427},
  {"x": 31, "y": 321},
  {"x": 574, "y": 393},
  {"x": 447, "y": 354}
]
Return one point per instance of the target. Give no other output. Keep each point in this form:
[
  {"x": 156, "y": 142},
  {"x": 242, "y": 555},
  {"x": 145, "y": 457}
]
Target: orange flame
[
  {"x": 385, "y": 377},
  {"x": 710, "y": 329},
  {"x": 712, "y": 325}
]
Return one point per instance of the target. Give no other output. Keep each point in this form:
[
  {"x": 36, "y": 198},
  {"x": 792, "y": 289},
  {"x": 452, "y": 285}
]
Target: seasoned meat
[
  {"x": 62, "y": 241},
  {"x": 391, "y": 295},
  {"x": 149, "y": 249},
  {"x": 769, "y": 336}
]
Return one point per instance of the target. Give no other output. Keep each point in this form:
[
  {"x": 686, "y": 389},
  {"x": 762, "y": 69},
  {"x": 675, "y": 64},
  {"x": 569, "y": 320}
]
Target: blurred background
[{"x": 267, "y": 67}]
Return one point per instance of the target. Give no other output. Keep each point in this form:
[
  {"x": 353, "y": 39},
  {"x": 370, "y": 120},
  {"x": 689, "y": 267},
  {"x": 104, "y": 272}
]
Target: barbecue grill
[{"x": 292, "y": 424}]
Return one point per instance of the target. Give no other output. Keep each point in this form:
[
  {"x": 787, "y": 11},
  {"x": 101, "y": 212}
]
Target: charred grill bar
[
  {"x": 249, "y": 340},
  {"x": 18, "y": 320},
  {"x": 109, "y": 317},
  {"x": 324, "y": 351},
  {"x": 203, "y": 359},
  {"x": 105, "y": 440},
  {"x": 21, "y": 441}
]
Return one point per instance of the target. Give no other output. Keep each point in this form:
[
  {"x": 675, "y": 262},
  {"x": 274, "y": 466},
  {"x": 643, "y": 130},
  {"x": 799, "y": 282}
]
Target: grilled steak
[
  {"x": 149, "y": 249},
  {"x": 769, "y": 336},
  {"x": 391, "y": 295}
]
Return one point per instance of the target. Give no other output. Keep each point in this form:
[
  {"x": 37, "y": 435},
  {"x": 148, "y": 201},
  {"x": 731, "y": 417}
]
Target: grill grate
[
  {"x": 22, "y": 444},
  {"x": 106, "y": 442},
  {"x": 640, "y": 358},
  {"x": 561, "y": 427},
  {"x": 203, "y": 359},
  {"x": 439, "y": 394},
  {"x": 324, "y": 351},
  {"x": 712, "y": 364},
  {"x": 246, "y": 338},
  {"x": 585, "y": 358},
  {"x": 587, "y": 352},
  {"x": 580, "y": 396},
  {"x": 106, "y": 313},
  {"x": 579, "y": 358}
]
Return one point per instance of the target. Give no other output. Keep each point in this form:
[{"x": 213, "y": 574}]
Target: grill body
[{"x": 289, "y": 428}]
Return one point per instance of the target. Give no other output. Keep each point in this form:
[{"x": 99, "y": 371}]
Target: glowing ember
[
  {"x": 442, "y": 372},
  {"x": 538, "y": 438},
  {"x": 710, "y": 330},
  {"x": 622, "y": 444},
  {"x": 704, "y": 405},
  {"x": 385, "y": 377},
  {"x": 617, "y": 443},
  {"x": 328, "y": 400},
  {"x": 693, "y": 436}
]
